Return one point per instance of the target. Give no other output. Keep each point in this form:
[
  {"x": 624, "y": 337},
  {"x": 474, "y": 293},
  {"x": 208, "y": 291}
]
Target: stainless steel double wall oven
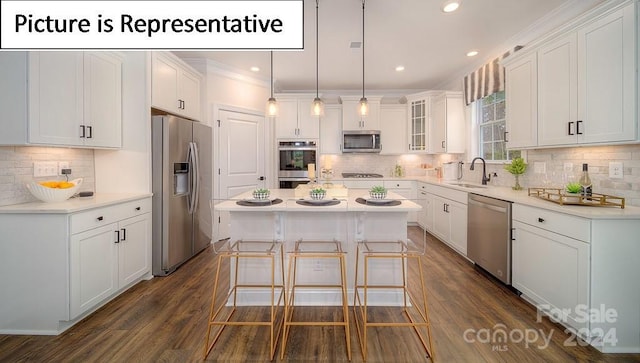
[{"x": 294, "y": 158}]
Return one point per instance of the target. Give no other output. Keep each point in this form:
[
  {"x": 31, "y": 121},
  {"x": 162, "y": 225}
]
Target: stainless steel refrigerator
[{"x": 181, "y": 184}]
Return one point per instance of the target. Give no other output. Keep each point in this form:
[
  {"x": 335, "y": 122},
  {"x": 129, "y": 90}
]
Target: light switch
[
  {"x": 539, "y": 167},
  {"x": 45, "y": 168}
]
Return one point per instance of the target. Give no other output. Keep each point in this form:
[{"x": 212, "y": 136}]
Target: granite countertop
[{"x": 74, "y": 204}]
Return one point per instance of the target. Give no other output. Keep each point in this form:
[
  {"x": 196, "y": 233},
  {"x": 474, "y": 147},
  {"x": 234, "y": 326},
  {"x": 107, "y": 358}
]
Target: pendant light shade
[
  {"x": 363, "y": 105},
  {"x": 317, "y": 106},
  {"x": 272, "y": 104}
]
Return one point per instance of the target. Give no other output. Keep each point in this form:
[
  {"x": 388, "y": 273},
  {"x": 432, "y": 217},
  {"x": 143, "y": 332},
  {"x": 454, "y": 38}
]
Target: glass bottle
[{"x": 585, "y": 181}]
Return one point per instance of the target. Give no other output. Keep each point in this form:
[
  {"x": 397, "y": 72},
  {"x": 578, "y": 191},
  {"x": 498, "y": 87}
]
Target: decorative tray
[{"x": 563, "y": 197}]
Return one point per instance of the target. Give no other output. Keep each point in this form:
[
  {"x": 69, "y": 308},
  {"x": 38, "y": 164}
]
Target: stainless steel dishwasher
[{"x": 489, "y": 235}]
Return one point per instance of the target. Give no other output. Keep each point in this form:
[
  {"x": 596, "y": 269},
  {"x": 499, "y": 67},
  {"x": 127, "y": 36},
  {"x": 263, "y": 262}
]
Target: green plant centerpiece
[
  {"x": 378, "y": 192},
  {"x": 517, "y": 168},
  {"x": 261, "y": 193},
  {"x": 317, "y": 193},
  {"x": 574, "y": 187}
]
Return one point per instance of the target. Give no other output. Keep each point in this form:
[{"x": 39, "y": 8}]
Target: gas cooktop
[{"x": 361, "y": 175}]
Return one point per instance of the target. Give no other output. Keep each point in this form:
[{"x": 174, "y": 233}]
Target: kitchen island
[{"x": 291, "y": 218}]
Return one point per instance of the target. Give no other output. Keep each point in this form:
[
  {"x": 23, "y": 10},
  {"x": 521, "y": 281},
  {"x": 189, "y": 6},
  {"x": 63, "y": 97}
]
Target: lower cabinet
[
  {"x": 70, "y": 263},
  {"x": 103, "y": 260},
  {"x": 406, "y": 189},
  {"x": 444, "y": 214},
  {"x": 581, "y": 272}
]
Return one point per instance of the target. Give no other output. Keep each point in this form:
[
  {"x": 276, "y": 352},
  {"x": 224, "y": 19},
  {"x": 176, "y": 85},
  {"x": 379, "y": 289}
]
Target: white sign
[{"x": 152, "y": 24}]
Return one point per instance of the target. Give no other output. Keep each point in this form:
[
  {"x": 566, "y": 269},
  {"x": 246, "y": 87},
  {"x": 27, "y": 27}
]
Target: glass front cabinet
[{"x": 418, "y": 120}]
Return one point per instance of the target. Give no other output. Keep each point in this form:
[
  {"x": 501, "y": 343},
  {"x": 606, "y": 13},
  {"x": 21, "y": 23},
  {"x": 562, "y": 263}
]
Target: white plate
[
  {"x": 378, "y": 201},
  {"x": 318, "y": 201}
]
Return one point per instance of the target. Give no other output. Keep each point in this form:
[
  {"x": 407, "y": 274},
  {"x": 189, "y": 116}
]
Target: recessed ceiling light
[
  {"x": 472, "y": 53},
  {"x": 255, "y": 69},
  {"x": 399, "y": 68},
  {"x": 450, "y": 6}
]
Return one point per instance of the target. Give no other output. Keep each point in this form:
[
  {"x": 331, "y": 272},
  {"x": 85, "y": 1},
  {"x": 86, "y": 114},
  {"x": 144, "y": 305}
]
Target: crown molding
[{"x": 210, "y": 66}]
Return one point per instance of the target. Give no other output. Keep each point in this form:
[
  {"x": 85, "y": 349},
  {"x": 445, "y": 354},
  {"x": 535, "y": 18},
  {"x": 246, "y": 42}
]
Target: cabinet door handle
[
  {"x": 505, "y": 136},
  {"x": 442, "y": 144},
  {"x": 138, "y": 208},
  {"x": 90, "y": 132},
  {"x": 569, "y": 128},
  {"x": 117, "y": 237},
  {"x": 124, "y": 234},
  {"x": 100, "y": 218},
  {"x": 541, "y": 220},
  {"x": 578, "y": 127},
  {"x": 82, "y": 131}
]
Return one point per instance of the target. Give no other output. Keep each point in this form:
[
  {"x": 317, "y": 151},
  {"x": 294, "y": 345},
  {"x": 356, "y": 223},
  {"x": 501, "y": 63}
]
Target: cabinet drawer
[
  {"x": 444, "y": 192},
  {"x": 570, "y": 226},
  {"x": 102, "y": 216},
  {"x": 398, "y": 184}
]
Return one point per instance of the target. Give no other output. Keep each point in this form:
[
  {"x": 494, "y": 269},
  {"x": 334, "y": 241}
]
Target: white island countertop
[
  {"x": 73, "y": 205},
  {"x": 288, "y": 204}
]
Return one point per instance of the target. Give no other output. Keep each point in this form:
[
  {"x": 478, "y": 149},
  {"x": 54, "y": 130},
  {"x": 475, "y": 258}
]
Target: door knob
[{"x": 261, "y": 178}]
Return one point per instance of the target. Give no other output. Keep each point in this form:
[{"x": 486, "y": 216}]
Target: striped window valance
[{"x": 486, "y": 80}]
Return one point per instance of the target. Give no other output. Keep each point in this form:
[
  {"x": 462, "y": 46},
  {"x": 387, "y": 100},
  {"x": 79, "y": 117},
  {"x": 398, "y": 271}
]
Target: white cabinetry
[
  {"x": 89, "y": 112},
  {"x": 551, "y": 260},
  {"x": 571, "y": 267},
  {"x": 406, "y": 189},
  {"x": 331, "y": 130},
  {"x": 449, "y": 209},
  {"x": 75, "y": 261},
  {"x": 425, "y": 216},
  {"x": 393, "y": 129},
  {"x": 447, "y": 127},
  {"x": 294, "y": 120},
  {"x": 418, "y": 121},
  {"x": 352, "y": 120},
  {"x": 175, "y": 86},
  {"x": 585, "y": 84},
  {"x": 521, "y": 92}
]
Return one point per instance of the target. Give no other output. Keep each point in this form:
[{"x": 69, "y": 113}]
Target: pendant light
[
  {"x": 272, "y": 105},
  {"x": 317, "y": 106},
  {"x": 363, "y": 105}
]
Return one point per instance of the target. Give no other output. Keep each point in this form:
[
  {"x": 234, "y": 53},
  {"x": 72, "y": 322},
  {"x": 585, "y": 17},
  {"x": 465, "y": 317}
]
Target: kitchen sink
[{"x": 467, "y": 185}]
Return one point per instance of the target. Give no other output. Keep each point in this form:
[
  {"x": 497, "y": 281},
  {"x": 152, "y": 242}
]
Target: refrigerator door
[
  {"x": 203, "y": 226},
  {"x": 172, "y": 224}
]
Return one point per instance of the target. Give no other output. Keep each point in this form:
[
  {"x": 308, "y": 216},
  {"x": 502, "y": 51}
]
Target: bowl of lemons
[{"x": 53, "y": 191}]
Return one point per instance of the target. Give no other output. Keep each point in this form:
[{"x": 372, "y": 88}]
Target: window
[{"x": 492, "y": 127}]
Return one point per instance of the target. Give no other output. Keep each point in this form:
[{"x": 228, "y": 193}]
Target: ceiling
[{"x": 417, "y": 34}]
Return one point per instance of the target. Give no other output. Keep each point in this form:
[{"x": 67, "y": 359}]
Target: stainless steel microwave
[{"x": 361, "y": 141}]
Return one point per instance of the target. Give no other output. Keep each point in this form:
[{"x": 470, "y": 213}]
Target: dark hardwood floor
[{"x": 164, "y": 320}]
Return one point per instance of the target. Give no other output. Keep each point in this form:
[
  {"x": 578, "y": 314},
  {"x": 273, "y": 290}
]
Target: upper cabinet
[
  {"x": 331, "y": 130},
  {"x": 522, "y": 92},
  {"x": 584, "y": 87},
  {"x": 294, "y": 119},
  {"x": 393, "y": 129},
  {"x": 447, "y": 123},
  {"x": 352, "y": 120},
  {"x": 175, "y": 86},
  {"x": 62, "y": 98},
  {"x": 418, "y": 119}
]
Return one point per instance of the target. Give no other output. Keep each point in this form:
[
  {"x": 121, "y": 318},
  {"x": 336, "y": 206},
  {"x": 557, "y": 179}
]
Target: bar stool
[
  {"x": 315, "y": 250},
  {"x": 246, "y": 251},
  {"x": 401, "y": 251}
]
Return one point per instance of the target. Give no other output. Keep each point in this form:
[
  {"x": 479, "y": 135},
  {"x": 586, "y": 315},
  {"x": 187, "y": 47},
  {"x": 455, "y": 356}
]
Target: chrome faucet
[{"x": 485, "y": 177}]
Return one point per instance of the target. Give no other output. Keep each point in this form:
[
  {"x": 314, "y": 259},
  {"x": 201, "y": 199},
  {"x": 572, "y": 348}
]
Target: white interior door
[{"x": 241, "y": 145}]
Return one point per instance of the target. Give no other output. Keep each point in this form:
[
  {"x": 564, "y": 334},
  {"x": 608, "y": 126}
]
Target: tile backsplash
[
  {"x": 16, "y": 169},
  {"x": 555, "y": 175},
  {"x": 374, "y": 163}
]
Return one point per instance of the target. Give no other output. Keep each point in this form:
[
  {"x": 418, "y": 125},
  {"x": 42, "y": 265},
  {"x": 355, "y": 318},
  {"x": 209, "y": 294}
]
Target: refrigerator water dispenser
[{"x": 180, "y": 179}]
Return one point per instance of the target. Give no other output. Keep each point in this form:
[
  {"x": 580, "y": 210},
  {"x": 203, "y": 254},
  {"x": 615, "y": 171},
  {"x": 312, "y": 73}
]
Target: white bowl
[{"x": 52, "y": 195}]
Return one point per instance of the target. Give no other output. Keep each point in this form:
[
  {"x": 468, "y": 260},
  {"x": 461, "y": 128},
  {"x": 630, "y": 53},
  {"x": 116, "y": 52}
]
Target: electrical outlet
[
  {"x": 45, "y": 168},
  {"x": 539, "y": 167},
  {"x": 567, "y": 167},
  {"x": 317, "y": 266},
  {"x": 616, "y": 170},
  {"x": 62, "y": 165}
]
